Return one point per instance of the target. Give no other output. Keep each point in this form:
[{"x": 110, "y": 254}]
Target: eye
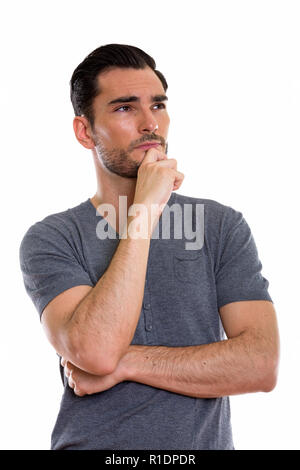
[
  {"x": 160, "y": 104},
  {"x": 126, "y": 107},
  {"x": 122, "y": 107}
]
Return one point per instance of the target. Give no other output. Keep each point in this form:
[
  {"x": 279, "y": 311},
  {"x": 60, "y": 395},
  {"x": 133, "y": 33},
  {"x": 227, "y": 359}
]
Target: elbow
[
  {"x": 269, "y": 376},
  {"x": 93, "y": 362},
  {"x": 88, "y": 356},
  {"x": 268, "y": 384}
]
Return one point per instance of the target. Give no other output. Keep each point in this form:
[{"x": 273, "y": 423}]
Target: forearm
[
  {"x": 243, "y": 364},
  {"x": 103, "y": 325},
  {"x": 224, "y": 368}
]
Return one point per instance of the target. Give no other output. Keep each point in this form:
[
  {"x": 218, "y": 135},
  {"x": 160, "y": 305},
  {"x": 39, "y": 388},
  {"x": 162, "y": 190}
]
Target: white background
[{"x": 234, "y": 99}]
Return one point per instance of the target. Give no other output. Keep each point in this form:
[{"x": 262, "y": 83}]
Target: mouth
[{"x": 147, "y": 146}]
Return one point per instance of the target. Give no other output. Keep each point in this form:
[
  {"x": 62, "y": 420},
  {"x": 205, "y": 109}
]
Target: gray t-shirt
[{"x": 183, "y": 291}]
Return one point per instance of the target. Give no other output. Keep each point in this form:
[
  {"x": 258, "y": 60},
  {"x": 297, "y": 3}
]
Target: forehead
[{"x": 117, "y": 82}]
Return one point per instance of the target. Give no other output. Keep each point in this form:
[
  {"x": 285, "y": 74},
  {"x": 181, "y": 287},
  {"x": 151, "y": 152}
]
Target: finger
[
  {"x": 67, "y": 369},
  {"x": 153, "y": 155},
  {"x": 78, "y": 392},
  {"x": 178, "y": 180},
  {"x": 73, "y": 385},
  {"x": 161, "y": 156},
  {"x": 169, "y": 163},
  {"x": 71, "y": 382},
  {"x": 63, "y": 361}
]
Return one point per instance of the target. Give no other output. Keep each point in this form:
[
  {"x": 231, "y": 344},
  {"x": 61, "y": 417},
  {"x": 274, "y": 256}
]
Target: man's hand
[
  {"x": 246, "y": 362},
  {"x": 157, "y": 178},
  {"x": 84, "y": 383}
]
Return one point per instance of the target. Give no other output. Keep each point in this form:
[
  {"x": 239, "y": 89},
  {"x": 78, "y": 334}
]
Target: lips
[{"x": 148, "y": 145}]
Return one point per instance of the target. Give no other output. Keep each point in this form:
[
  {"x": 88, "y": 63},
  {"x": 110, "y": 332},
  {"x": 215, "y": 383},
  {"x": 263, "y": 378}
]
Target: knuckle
[
  {"x": 79, "y": 392},
  {"x": 71, "y": 380},
  {"x": 82, "y": 390},
  {"x": 71, "y": 383}
]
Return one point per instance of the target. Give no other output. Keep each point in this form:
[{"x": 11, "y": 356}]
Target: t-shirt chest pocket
[{"x": 187, "y": 266}]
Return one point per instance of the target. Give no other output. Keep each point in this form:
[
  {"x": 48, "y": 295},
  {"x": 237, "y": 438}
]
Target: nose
[{"x": 147, "y": 122}]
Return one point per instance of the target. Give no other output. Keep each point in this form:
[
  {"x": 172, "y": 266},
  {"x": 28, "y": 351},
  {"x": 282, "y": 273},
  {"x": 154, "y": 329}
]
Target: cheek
[
  {"x": 104, "y": 134},
  {"x": 121, "y": 122},
  {"x": 165, "y": 121},
  {"x": 117, "y": 135},
  {"x": 109, "y": 134},
  {"x": 123, "y": 133},
  {"x": 126, "y": 126},
  {"x": 164, "y": 126}
]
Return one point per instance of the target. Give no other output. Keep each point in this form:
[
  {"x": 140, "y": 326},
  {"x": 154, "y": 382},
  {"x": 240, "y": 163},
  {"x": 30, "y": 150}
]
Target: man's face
[{"x": 121, "y": 126}]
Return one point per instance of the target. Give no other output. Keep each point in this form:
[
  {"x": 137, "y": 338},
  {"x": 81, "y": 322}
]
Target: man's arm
[
  {"x": 93, "y": 327},
  {"x": 246, "y": 362}
]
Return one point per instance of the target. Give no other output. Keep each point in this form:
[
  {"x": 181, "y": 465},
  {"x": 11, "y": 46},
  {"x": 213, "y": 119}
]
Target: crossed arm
[
  {"x": 245, "y": 362},
  {"x": 92, "y": 330}
]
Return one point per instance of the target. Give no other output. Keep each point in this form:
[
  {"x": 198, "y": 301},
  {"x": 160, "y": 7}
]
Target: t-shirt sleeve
[
  {"x": 238, "y": 275},
  {"x": 49, "y": 264}
]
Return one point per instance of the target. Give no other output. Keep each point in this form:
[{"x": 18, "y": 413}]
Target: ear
[{"x": 83, "y": 132}]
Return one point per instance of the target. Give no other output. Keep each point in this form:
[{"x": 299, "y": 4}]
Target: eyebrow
[{"x": 129, "y": 99}]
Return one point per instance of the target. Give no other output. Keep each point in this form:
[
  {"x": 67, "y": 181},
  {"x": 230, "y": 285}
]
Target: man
[{"x": 153, "y": 334}]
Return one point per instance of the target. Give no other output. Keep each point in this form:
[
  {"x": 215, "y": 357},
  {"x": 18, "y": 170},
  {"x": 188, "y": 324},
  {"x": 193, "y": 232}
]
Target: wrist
[
  {"x": 143, "y": 218},
  {"x": 126, "y": 364}
]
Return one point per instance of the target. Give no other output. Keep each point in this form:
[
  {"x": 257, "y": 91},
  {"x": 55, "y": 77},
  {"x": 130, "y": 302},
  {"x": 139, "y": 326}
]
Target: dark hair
[{"x": 84, "y": 84}]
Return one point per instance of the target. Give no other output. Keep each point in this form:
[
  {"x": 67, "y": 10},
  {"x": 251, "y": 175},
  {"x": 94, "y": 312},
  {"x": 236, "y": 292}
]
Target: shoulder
[
  {"x": 55, "y": 229},
  {"x": 215, "y": 221},
  {"x": 217, "y": 215}
]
